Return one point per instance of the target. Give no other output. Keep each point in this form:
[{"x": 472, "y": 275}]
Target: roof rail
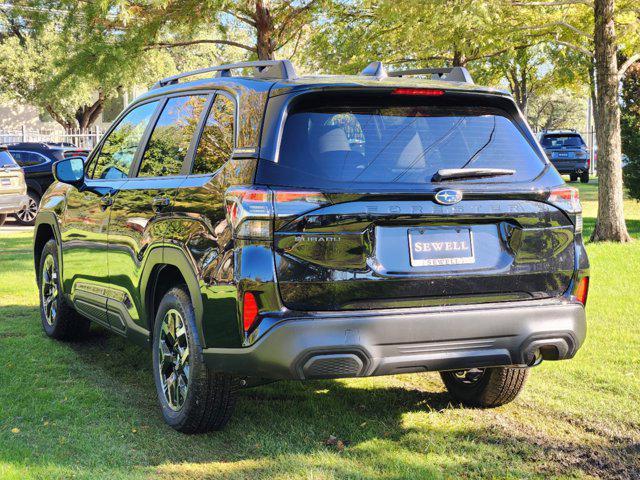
[
  {"x": 375, "y": 69},
  {"x": 450, "y": 74},
  {"x": 273, "y": 69}
]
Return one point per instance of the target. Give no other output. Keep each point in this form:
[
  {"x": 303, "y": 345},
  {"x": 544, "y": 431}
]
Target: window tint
[
  {"x": 216, "y": 142},
  {"x": 397, "y": 142},
  {"x": 27, "y": 159},
  {"x": 119, "y": 148},
  {"x": 559, "y": 141},
  {"x": 6, "y": 160},
  {"x": 172, "y": 136}
]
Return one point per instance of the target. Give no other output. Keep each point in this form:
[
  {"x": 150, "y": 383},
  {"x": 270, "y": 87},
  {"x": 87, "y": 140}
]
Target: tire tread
[
  {"x": 69, "y": 324},
  {"x": 499, "y": 386},
  {"x": 213, "y": 393}
]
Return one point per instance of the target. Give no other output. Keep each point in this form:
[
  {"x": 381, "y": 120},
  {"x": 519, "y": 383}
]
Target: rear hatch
[
  {"x": 11, "y": 176},
  {"x": 377, "y": 228}
]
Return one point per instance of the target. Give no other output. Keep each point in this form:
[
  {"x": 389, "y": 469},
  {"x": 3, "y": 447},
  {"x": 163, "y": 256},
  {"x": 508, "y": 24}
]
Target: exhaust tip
[{"x": 546, "y": 349}]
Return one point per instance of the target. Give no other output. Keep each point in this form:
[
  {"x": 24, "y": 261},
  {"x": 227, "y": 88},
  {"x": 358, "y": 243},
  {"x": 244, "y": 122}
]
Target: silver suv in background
[{"x": 13, "y": 189}]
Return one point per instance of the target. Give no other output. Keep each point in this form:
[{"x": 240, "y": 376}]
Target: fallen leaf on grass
[
  {"x": 15, "y": 430},
  {"x": 334, "y": 441}
]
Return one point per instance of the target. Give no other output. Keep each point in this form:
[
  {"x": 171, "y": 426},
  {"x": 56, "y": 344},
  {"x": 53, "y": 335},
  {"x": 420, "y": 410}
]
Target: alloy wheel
[
  {"x": 173, "y": 359},
  {"x": 28, "y": 213},
  {"x": 49, "y": 289}
]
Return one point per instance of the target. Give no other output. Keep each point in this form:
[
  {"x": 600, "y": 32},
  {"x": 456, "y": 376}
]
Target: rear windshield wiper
[{"x": 445, "y": 174}]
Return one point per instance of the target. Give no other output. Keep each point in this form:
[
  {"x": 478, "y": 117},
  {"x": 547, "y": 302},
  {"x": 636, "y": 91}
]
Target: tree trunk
[
  {"x": 610, "y": 224},
  {"x": 87, "y": 115},
  {"x": 66, "y": 123},
  {"x": 264, "y": 31},
  {"x": 459, "y": 59}
]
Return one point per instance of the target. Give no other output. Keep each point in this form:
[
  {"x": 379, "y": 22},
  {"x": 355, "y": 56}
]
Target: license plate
[
  {"x": 563, "y": 155},
  {"x": 5, "y": 181},
  {"x": 440, "y": 246}
]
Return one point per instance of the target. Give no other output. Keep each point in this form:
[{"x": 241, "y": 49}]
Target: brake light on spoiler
[{"x": 425, "y": 92}]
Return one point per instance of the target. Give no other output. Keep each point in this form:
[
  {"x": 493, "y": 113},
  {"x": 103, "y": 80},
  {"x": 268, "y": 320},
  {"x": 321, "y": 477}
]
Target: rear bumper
[
  {"x": 385, "y": 342},
  {"x": 13, "y": 203},
  {"x": 579, "y": 167}
]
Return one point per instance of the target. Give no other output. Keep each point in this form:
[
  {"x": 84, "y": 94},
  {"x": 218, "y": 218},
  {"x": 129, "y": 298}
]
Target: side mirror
[{"x": 70, "y": 170}]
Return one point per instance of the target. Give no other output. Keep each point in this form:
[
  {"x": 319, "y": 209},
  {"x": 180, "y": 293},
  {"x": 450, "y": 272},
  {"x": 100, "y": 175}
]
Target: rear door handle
[{"x": 158, "y": 203}]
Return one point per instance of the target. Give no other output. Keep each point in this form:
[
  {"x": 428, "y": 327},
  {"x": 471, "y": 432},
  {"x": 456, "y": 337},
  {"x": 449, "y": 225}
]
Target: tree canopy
[{"x": 68, "y": 57}]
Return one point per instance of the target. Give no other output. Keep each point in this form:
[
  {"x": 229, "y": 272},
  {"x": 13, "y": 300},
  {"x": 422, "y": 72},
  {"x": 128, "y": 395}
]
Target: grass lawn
[{"x": 88, "y": 410}]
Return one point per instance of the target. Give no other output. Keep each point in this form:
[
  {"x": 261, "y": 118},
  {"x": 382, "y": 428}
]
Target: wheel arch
[
  {"x": 45, "y": 229},
  {"x": 35, "y": 186},
  {"x": 165, "y": 268}
]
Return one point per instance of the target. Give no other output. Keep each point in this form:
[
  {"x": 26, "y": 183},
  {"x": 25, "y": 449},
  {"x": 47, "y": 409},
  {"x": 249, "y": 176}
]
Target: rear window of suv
[
  {"x": 560, "y": 141},
  {"x": 396, "y": 141},
  {"x": 6, "y": 160}
]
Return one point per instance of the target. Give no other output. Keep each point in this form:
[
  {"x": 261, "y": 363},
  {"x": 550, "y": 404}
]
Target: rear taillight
[
  {"x": 581, "y": 290},
  {"x": 251, "y": 210},
  {"x": 291, "y": 203},
  {"x": 249, "y": 311},
  {"x": 568, "y": 200}
]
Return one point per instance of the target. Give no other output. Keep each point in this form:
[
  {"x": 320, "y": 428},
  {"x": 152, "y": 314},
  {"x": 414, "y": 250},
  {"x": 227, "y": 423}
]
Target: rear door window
[
  {"x": 172, "y": 135},
  {"x": 28, "y": 159},
  {"x": 217, "y": 139},
  {"x": 397, "y": 142}
]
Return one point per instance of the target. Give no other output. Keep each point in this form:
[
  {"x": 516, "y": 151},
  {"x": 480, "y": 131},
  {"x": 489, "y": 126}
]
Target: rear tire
[
  {"x": 193, "y": 398},
  {"x": 584, "y": 178},
  {"x": 59, "y": 320},
  {"x": 485, "y": 388},
  {"x": 3, "y": 217},
  {"x": 27, "y": 216},
  {"x": 573, "y": 177}
]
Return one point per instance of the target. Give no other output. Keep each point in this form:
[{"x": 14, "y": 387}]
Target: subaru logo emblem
[{"x": 448, "y": 197}]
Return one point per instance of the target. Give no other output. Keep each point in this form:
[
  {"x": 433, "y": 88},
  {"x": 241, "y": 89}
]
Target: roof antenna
[{"x": 375, "y": 69}]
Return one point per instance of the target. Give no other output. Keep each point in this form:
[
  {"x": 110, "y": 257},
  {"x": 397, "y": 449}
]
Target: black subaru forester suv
[{"x": 264, "y": 226}]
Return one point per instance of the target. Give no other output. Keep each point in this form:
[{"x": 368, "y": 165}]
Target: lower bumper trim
[{"x": 409, "y": 340}]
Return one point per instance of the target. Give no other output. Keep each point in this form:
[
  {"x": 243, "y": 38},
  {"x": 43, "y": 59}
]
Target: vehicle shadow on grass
[{"x": 384, "y": 430}]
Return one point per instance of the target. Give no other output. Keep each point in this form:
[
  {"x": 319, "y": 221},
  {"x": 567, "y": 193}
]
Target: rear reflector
[
  {"x": 582, "y": 290},
  {"x": 249, "y": 311},
  {"x": 425, "y": 92}
]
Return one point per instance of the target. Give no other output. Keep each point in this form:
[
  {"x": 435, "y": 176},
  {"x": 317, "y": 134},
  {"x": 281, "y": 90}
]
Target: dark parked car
[
  {"x": 36, "y": 160},
  {"x": 568, "y": 153},
  {"x": 268, "y": 226},
  {"x": 13, "y": 189}
]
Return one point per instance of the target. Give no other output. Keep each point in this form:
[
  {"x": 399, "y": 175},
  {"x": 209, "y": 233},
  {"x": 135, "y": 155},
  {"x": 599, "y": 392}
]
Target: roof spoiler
[
  {"x": 447, "y": 74},
  {"x": 271, "y": 69}
]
